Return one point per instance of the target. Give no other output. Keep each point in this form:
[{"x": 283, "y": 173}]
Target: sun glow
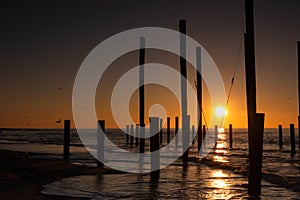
[{"x": 220, "y": 111}]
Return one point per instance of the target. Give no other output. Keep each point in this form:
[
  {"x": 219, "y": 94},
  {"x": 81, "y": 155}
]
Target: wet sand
[{"x": 22, "y": 175}]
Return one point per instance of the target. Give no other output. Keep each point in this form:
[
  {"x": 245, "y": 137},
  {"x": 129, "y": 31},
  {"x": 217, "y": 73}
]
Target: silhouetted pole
[
  {"x": 298, "y": 49},
  {"x": 255, "y": 120},
  {"x": 193, "y": 134},
  {"x": 142, "y": 94},
  {"x": 186, "y": 139},
  {"x": 168, "y": 130},
  {"x": 161, "y": 131},
  {"x": 137, "y": 134},
  {"x": 216, "y": 135},
  {"x": 67, "y": 138},
  {"x": 176, "y": 130},
  {"x": 204, "y": 133},
  {"x": 230, "y": 136},
  {"x": 292, "y": 134},
  {"x": 280, "y": 136},
  {"x": 131, "y": 134},
  {"x": 127, "y": 132},
  {"x": 100, "y": 143},
  {"x": 154, "y": 145},
  {"x": 199, "y": 96},
  {"x": 183, "y": 81}
]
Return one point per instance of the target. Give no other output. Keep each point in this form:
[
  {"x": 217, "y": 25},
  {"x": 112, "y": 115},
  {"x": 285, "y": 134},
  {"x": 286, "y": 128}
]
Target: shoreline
[{"x": 22, "y": 176}]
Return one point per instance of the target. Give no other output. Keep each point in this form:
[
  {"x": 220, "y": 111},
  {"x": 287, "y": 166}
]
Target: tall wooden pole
[
  {"x": 255, "y": 121},
  {"x": 199, "y": 96},
  {"x": 183, "y": 81},
  {"x": 298, "y": 49},
  {"x": 142, "y": 94},
  {"x": 100, "y": 143}
]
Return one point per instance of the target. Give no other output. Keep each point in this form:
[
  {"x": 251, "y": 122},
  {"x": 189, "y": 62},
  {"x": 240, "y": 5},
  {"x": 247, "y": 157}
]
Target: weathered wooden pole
[
  {"x": 280, "y": 136},
  {"x": 292, "y": 134},
  {"x": 230, "y": 136},
  {"x": 183, "y": 81},
  {"x": 204, "y": 134},
  {"x": 127, "y": 134},
  {"x": 142, "y": 94},
  {"x": 100, "y": 143},
  {"x": 216, "y": 135},
  {"x": 161, "y": 131},
  {"x": 199, "y": 96},
  {"x": 137, "y": 134},
  {"x": 154, "y": 145},
  {"x": 186, "y": 139},
  {"x": 168, "y": 130},
  {"x": 193, "y": 134},
  {"x": 131, "y": 134},
  {"x": 298, "y": 49},
  {"x": 255, "y": 120},
  {"x": 67, "y": 133},
  {"x": 176, "y": 130}
]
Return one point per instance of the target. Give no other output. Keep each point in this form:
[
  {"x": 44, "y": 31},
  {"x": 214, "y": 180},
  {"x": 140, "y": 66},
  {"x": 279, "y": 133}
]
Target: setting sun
[{"x": 220, "y": 111}]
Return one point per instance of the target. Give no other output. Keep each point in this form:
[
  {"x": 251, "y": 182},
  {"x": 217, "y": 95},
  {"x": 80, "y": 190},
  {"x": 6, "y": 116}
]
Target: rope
[{"x": 232, "y": 80}]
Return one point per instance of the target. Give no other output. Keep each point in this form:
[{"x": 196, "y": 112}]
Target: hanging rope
[{"x": 232, "y": 80}]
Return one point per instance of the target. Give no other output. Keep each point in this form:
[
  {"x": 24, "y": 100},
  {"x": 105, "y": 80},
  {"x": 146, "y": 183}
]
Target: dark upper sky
[{"x": 43, "y": 44}]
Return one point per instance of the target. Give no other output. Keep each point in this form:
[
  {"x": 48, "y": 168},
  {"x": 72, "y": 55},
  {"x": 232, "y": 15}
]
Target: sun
[{"x": 220, "y": 111}]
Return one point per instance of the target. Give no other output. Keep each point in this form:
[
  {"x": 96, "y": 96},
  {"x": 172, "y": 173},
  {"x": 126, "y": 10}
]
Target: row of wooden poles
[
  {"x": 156, "y": 131},
  {"x": 159, "y": 138},
  {"x": 292, "y": 138}
]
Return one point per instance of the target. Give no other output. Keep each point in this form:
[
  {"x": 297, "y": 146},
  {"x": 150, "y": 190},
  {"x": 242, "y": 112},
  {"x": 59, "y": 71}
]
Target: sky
[{"x": 43, "y": 44}]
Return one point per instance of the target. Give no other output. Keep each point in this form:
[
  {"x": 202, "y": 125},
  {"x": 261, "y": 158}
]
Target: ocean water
[{"x": 220, "y": 175}]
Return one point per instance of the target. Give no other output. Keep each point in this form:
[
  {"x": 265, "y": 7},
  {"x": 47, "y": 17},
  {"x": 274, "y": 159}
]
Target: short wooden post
[
  {"x": 154, "y": 144},
  {"x": 185, "y": 139},
  {"x": 255, "y": 155},
  {"x": 67, "y": 138},
  {"x": 161, "y": 131},
  {"x": 230, "y": 136},
  {"x": 168, "y": 130},
  {"x": 193, "y": 134},
  {"x": 127, "y": 134},
  {"x": 204, "y": 132},
  {"x": 292, "y": 134},
  {"x": 131, "y": 134},
  {"x": 280, "y": 136},
  {"x": 216, "y": 135},
  {"x": 176, "y": 130},
  {"x": 100, "y": 143},
  {"x": 137, "y": 134}
]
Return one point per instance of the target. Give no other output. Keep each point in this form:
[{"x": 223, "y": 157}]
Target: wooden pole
[
  {"x": 216, "y": 135},
  {"x": 199, "y": 96},
  {"x": 131, "y": 134},
  {"x": 161, "y": 131},
  {"x": 154, "y": 145},
  {"x": 186, "y": 139},
  {"x": 142, "y": 93},
  {"x": 255, "y": 121},
  {"x": 280, "y": 136},
  {"x": 193, "y": 134},
  {"x": 168, "y": 130},
  {"x": 137, "y": 134},
  {"x": 127, "y": 134},
  {"x": 292, "y": 134},
  {"x": 298, "y": 50},
  {"x": 230, "y": 136},
  {"x": 204, "y": 133},
  {"x": 100, "y": 143},
  {"x": 176, "y": 130},
  {"x": 67, "y": 138},
  {"x": 183, "y": 81}
]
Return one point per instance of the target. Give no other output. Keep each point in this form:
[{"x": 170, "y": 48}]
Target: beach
[{"x": 23, "y": 176}]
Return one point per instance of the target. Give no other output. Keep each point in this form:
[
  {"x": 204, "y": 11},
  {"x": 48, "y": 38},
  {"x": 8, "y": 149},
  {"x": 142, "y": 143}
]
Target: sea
[{"x": 219, "y": 174}]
